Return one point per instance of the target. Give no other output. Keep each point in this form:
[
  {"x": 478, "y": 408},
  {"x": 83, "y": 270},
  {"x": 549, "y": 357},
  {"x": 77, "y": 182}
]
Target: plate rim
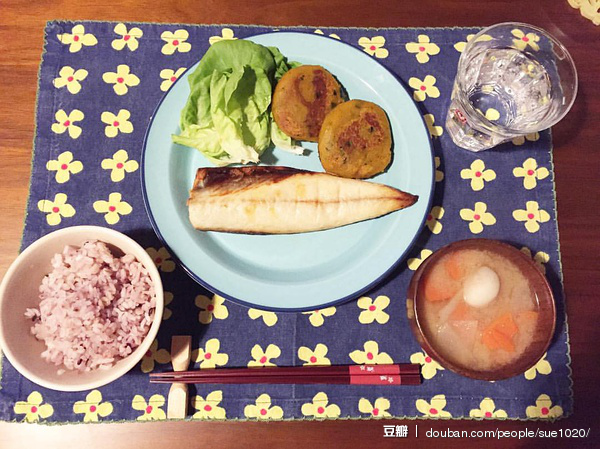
[{"x": 242, "y": 302}]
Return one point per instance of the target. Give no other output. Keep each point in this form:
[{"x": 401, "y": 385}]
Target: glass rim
[{"x": 569, "y": 59}]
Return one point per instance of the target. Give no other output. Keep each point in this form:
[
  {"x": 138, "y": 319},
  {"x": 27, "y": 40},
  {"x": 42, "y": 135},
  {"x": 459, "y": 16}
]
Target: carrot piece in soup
[
  {"x": 460, "y": 312},
  {"x": 506, "y": 344},
  {"x": 494, "y": 339},
  {"x": 436, "y": 292},
  {"x": 499, "y": 334},
  {"x": 506, "y": 325},
  {"x": 488, "y": 339},
  {"x": 438, "y": 286},
  {"x": 454, "y": 267}
]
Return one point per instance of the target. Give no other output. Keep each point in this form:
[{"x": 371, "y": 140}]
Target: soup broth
[{"x": 478, "y": 309}]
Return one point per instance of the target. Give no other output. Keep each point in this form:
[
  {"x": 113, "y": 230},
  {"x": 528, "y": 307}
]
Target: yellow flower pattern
[
  {"x": 33, "y": 408},
  {"x": 209, "y": 356},
  {"x": 71, "y": 78},
  {"x": 460, "y": 46},
  {"x": 175, "y": 42},
  {"x": 373, "y": 310},
  {"x": 128, "y": 38},
  {"x": 169, "y": 77},
  {"x": 433, "y": 408},
  {"x": 56, "y": 209},
  {"x": 317, "y": 317},
  {"x": 423, "y": 48},
  {"x": 374, "y": 46},
  {"x": 153, "y": 355},
  {"x": 64, "y": 166},
  {"x": 478, "y": 174},
  {"x": 226, "y": 35},
  {"x": 487, "y": 409},
  {"x": 520, "y": 140},
  {"x": 66, "y": 122},
  {"x": 211, "y": 308},
  {"x": 263, "y": 410},
  {"x": 113, "y": 208},
  {"x": 530, "y": 172},
  {"x": 477, "y": 217},
  {"x": 543, "y": 408},
  {"x": 433, "y": 219},
  {"x": 320, "y": 407},
  {"x": 93, "y": 408},
  {"x": 77, "y": 38},
  {"x": 491, "y": 114},
  {"x": 542, "y": 367},
  {"x": 533, "y": 72},
  {"x": 439, "y": 174},
  {"x": 263, "y": 358},
  {"x": 425, "y": 88},
  {"x": 161, "y": 258},
  {"x": 522, "y": 40},
  {"x": 269, "y": 318},
  {"x": 122, "y": 79},
  {"x": 332, "y": 35},
  {"x": 590, "y": 9},
  {"x": 314, "y": 357},
  {"x": 370, "y": 355},
  {"x": 209, "y": 408},
  {"x": 414, "y": 262},
  {"x": 118, "y": 165},
  {"x": 434, "y": 130},
  {"x": 379, "y": 409},
  {"x": 152, "y": 409},
  {"x": 429, "y": 367},
  {"x": 168, "y": 296},
  {"x": 532, "y": 215},
  {"x": 117, "y": 123},
  {"x": 540, "y": 258}
]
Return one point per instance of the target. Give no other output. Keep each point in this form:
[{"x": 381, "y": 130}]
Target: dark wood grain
[{"x": 577, "y": 170}]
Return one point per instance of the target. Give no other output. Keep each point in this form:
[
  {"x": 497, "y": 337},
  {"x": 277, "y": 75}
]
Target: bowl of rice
[{"x": 79, "y": 308}]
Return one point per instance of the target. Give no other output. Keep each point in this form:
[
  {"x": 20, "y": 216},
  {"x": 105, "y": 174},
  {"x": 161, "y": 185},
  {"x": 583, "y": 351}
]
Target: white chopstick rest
[{"x": 181, "y": 354}]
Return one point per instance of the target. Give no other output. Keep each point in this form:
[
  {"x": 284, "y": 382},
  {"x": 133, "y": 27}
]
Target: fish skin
[{"x": 284, "y": 200}]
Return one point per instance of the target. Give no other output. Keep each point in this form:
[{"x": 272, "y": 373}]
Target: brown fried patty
[
  {"x": 302, "y": 99},
  {"x": 355, "y": 140}
]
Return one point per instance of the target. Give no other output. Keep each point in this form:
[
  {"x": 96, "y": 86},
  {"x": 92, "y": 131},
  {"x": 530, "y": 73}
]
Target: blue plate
[{"x": 301, "y": 271}]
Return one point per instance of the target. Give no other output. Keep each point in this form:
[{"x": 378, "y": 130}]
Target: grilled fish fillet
[{"x": 283, "y": 200}]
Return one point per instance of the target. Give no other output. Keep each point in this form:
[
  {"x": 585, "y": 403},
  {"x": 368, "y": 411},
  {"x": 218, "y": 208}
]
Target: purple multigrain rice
[{"x": 94, "y": 308}]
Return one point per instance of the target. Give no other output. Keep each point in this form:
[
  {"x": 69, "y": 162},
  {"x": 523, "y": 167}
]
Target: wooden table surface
[{"x": 577, "y": 170}]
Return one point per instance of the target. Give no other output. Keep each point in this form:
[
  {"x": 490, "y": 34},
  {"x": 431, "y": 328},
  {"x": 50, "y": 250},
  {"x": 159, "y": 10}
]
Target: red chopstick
[
  {"x": 399, "y": 374},
  {"x": 400, "y": 368},
  {"x": 344, "y": 380}
]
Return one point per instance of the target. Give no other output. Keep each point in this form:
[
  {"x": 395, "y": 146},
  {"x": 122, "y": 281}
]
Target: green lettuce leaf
[
  {"x": 281, "y": 63},
  {"x": 227, "y": 115}
]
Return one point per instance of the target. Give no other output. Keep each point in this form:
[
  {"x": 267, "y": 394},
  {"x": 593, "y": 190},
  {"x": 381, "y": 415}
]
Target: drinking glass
[{"x": 513, "y": 79}]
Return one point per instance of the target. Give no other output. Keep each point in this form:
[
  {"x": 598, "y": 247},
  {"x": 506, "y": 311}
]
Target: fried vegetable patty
[
  {"x": 355, "y": 140},
  {"x": 302, "y": 99}
]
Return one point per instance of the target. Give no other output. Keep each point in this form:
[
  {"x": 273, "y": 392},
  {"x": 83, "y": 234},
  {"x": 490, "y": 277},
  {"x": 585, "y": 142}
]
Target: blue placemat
[{"x": 99, "y": 84}]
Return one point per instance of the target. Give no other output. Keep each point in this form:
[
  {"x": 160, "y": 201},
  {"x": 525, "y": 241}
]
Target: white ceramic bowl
[{"x": 19, "y": 290}]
